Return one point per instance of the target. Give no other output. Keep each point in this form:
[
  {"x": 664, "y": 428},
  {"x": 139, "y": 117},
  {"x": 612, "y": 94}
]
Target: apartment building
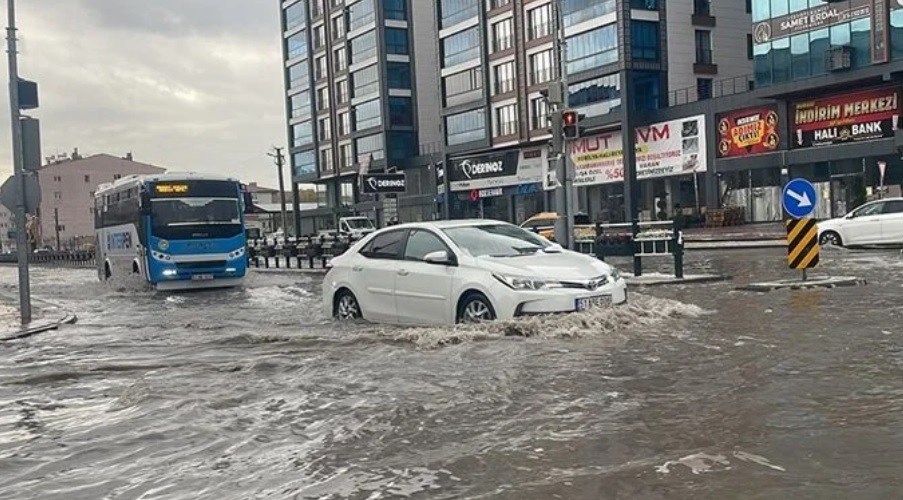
[
  {"x": 7, "y": 228},
  {"x": 67, "y": 194},
  {"x": 498, "y": 59},
  {"x": 360, "y": 77}
]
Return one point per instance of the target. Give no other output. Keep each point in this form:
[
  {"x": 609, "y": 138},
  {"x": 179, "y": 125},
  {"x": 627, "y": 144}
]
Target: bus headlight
[
  {"x": 170, "y": 272},
  {"x": 237, "y": 253},
  {"x": 164, "y": 245}
]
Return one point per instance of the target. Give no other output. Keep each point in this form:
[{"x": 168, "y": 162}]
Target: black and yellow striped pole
[{"x": 802, "y": 244}]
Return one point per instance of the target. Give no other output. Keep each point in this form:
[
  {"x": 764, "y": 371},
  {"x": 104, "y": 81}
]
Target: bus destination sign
[{"x": 171, "y": 188}]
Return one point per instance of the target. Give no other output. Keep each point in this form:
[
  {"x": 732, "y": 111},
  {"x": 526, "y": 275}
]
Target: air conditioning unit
[{"x": 839, "y": 58}]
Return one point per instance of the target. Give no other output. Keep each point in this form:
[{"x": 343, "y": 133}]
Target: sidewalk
[{"x": 43, "y": 319}]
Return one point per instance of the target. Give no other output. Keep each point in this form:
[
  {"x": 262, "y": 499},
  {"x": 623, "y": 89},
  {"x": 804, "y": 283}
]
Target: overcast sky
[{"x": 183, "y": 84}]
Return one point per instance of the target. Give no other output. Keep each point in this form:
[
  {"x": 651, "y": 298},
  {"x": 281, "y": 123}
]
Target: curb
[
  {"x": 802, "y": 285},
  {"x": 68, "y": 319},
  {"x": 666, "y": 281}
]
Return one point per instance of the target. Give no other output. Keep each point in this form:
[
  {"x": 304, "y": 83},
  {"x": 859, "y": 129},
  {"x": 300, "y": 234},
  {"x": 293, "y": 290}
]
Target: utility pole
[
  {"x": 22, "y": 249},
  {"x": 280, "y": 163},
  {"x": 564, "y": 193}
]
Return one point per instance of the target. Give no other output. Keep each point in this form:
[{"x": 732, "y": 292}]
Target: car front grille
[{"x": 590, "y": 284}]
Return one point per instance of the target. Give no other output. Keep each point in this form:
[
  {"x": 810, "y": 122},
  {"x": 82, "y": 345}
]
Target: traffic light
[{"x": 570, "y": 122}]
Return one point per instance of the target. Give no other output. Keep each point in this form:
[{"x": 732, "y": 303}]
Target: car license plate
[
  {"x": 592, "y": 302},
  {"x": 202, "y": 277}
]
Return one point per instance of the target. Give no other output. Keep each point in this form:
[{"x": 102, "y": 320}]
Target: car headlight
[
  {"x": 615, "y": 274},
  {"x": 525, "y": 283}
]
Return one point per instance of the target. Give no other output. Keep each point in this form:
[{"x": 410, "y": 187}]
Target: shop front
[
  {"x": 671, "y": 162},
  {"x": 505, "y": 185}
]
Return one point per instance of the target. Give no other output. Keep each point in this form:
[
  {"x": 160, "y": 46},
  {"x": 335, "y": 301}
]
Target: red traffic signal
[{"x": 570, "y": 121}]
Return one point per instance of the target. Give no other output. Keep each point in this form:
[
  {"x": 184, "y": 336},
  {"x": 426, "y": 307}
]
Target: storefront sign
[
  {"x": 811, "y": 19},
  {"x": 859, "y": 116},
  {"x": 383, "y": 183},
  {"x": 663, "y": 149},
  {"x": 498, "y": 170},
  {"x": 880, "y": 32},
  {"x": 747, "y": 132},
  {"x": 479, "y": 194}
]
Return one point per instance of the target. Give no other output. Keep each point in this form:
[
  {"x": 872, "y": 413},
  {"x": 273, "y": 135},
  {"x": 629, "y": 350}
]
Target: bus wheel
[{"x": 107, "y": 273}]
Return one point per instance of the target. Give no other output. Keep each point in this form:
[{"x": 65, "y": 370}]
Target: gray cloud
[{"x": 185, "y": 84}]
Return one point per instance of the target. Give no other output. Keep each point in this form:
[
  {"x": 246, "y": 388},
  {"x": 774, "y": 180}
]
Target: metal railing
[{"x": 720, "y": 88}]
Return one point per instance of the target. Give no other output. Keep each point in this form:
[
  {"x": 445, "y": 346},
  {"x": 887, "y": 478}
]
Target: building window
[
  {"x": 749, "y": 46},
  {"x": 326, "y": 160},
  {"x": 294, "y": 16},
  {"x": 464, "y": 86},
  {"x": 502, "y": 35},
  {"x": 296, "y": 45},
  {"x": 344, "y": 118},
  {"x": 402, "y": 145},
  {"x": 341, "y": 59},
  {"x": 300, "y": 104},
  {"x": 644, "y": 4},
  {"x": 396, "y": 41},
  {"x": 579, "y": 11},
  {"x": 540, "y": 22},
  {"x": 461, "y": 47},
  {"x": 398, "y": 75},
  {"x": 365, "y": 81},
  {"x": 341, "y": 92},
  {"x": 704, "y": 88},
  {"x": 322, "y": 68},
  {"x": 57, "y": 178},
  {"x": 319, "y": 33},
  {"x": 506, "y": 120},
  {"x": 346, "y": 156},
  {"x": 116, "y": 177},
  {"x": 539, "y": 113},
  {"x": 702, "y": 7},
  {"x": 322, "y": 98},
  {"x": 363, "y": 48},
  {"x": 395, "y": 9},
  {"x": 302, "y": 134},
  {"x": 324, "y": 129},
  {"x": 597, "y": 96},
  {"x": 453, "y": 12},
  {"x": 647, "y": 90},
  {"x": 57, "y": 195},
  {"x": 497, "y": 4},
  {"x": 401, "y": 112},
  {"x": 592, "y": 49},
  {"x": 316, "y": 8},
  {"x": 304, "y": 164},
  {"x": 504, "y": 78},
  {"x": 703, "y": 47},
  {"x": 338, "y": 27},
  {"x": 542, "y": 68},
  {"x": 361, "y": 14},
  {"x": 465, "y": 127},
  {"x": 367, "y": 115},
  {"x": 370, "y": 148},
  {"x": 644, "y": 41},
  {"x": 299, "y": 75}
]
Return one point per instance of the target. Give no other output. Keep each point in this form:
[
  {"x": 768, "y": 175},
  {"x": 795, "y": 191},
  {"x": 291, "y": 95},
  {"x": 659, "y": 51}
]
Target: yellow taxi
[{"x": 544, "y": 224}]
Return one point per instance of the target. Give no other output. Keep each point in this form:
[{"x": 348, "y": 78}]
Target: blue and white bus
[{"x": 175, "y": 231}]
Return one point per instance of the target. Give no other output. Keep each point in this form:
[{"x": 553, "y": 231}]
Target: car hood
[
  {"x": 561, "y": 266},
  {"x": 830, "y": 224}
]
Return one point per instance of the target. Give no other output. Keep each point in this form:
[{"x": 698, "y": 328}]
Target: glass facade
[
  {"x": 592, "y": 49},
  {"x": 783, "y": 51},
  {"x": 465, "y": 127}
]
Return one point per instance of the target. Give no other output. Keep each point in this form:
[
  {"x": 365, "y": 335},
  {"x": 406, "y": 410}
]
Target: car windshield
[
  {"x": 361, "y": 223},
  {"x": 873, "y": 209},
  {"x": 496, "y": 240}
]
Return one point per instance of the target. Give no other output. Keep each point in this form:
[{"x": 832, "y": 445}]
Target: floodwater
[{"x": 690, "y": 392}]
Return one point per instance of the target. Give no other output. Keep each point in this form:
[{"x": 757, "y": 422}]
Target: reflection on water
[{"x": 687, "y": 392}]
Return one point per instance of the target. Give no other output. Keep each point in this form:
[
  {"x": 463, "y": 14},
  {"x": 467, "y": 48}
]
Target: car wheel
[
  {"x": 475, "y": 308},
  {"x": 830, "y": 238},
  {"x": 347, "y": 307}
]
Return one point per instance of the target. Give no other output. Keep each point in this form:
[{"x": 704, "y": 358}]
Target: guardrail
[
  {"x": 61, "y": 259},
  {"x": 307, "y": 252},
  {"x": 641, "y": 239}
]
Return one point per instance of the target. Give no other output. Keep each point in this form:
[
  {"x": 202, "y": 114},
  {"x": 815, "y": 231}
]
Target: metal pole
[
  {"x": 564, "y": 194},
  {"x": 18, "y": 168},
  {"x": 280, "y": 162},
  {"x": 296, "y": 209},
  {"x": 56, "y": 227}
]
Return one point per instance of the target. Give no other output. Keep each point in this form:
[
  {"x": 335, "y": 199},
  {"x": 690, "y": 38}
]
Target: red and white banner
[{"x": 675, "y": 147}]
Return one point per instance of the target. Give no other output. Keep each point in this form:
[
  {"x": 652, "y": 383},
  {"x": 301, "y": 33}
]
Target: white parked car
[
  {"x": 449, "y": 272},
  {"x": 875, "y": 223}
]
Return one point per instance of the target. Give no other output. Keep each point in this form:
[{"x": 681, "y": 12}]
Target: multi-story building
[
  {"x": 67, "y": 194},
  {"x": 359, "y": 76},
  {"x": 499, "y": 59},
  {"x": 7, "y": 226}
]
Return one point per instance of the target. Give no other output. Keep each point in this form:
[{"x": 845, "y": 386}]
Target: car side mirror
[
  {"x": 554, "y": 248},
  {"x": 440, "y": 257},
  {"x": 851, "y": 215}
]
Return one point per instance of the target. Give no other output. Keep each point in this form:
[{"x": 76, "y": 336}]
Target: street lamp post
[{"x": 18, "y": 168}]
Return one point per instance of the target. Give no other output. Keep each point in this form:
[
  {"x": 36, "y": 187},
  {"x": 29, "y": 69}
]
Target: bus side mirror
[
  {"x": 248, "y": 202},
  {"x": 145, "y": 204}
]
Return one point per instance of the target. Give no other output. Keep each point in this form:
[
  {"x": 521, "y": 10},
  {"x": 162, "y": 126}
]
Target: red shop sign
[
  {"x": 858, "y": 116},
  {"x": 748, "y": 132}
]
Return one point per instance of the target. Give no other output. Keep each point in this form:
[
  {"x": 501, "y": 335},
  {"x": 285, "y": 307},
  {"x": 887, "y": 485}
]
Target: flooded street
[{"x": 689, "y": 392}]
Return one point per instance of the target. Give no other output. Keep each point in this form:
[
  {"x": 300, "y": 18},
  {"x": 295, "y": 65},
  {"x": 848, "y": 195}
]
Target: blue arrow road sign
[{"x": 799, "y": 198}]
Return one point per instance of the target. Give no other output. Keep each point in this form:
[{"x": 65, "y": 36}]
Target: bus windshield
[{"x": 177, "y": 218}]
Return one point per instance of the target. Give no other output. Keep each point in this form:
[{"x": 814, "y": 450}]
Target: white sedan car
[
  {"x": 875, "y": 223},
  {"x": 449, "y": 272}
]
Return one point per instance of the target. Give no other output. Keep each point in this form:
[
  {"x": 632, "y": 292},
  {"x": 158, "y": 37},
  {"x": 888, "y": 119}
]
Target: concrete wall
[
  {"x": 68, "y": 187},
  {"x": 425, "y": 68}
]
